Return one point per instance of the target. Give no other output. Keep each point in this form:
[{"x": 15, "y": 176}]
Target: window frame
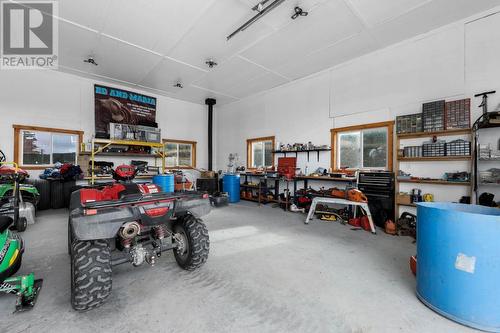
[
  {"x": 250, "y": 142},
  {"x": 18, "y": 144},
  {"x": 335, "y": 153},
  {"x": 193, "y": 153}
]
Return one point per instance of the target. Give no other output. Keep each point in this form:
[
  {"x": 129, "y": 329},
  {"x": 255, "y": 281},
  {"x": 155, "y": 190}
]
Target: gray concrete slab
[{"x": 267, "y": 272}]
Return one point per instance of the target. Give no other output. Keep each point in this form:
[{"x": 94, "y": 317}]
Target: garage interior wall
[
  {"x": 453, "y": 62},
  {"x": 59, "y": 100}
]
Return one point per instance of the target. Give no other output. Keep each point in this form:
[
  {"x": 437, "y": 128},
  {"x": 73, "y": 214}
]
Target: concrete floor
[{"x": 267, "y": 272}]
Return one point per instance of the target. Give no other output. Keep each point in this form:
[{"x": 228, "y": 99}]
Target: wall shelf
[
  {"x": 433, "y": 181},
  {"x": 434, "y": 158},
  {"x": 465, "y": 131},
  {"x": 284, "y": 152}
]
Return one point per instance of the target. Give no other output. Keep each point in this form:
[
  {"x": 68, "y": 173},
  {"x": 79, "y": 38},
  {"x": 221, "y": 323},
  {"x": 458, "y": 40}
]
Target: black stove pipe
[{"x": 210, "y": 102}]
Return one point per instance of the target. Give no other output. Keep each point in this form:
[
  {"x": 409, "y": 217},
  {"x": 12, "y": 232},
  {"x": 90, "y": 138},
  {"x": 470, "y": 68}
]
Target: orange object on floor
[
  {"x": 390, "y": 227},
  {"x": 413, "y": 264}
]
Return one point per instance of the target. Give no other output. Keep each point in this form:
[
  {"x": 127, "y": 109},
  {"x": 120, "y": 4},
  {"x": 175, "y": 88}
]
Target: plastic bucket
[{"x": 166, "y": 182}]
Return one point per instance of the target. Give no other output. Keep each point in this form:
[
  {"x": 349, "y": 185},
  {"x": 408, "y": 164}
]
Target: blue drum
[{"x": 458, "y": 262}]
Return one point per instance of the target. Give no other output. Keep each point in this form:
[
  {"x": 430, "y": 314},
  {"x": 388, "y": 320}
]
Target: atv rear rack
[{"x": 141, "y": 198}]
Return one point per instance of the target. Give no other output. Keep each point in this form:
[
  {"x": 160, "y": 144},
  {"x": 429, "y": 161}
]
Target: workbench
[
  {"x": 349, "y": 180},
  {"x": 338, "y": 201}
]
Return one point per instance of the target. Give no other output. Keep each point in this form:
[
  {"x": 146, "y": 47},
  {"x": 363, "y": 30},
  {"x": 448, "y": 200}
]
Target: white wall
[
  {"x": 60, "y": 100},
  {"x": 452, "y": 62}
]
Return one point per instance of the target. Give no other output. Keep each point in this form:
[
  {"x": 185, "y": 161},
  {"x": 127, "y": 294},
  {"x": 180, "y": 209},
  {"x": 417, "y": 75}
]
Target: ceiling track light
[
  {"x": 211, "y": 63},
  {"x": 260, "y": 6},
  {"x": 298, "y": 12},
  {"x": 91, "y": 60},
  {"x": 257, "y": 17}
]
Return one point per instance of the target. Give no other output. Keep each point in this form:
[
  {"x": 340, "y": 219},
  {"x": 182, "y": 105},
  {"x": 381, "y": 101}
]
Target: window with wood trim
[
  {"x": 367, "y": 146},
  {"x": 260, "y": 153},
  {"x": 180, "y": 154},
  {"x": 41, "y": 147}
]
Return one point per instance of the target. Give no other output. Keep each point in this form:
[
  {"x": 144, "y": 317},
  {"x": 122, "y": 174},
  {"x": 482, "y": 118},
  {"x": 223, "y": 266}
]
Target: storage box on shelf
[
  {"x": 433, "y": 116},
  {"x": 457, "y": 114}
]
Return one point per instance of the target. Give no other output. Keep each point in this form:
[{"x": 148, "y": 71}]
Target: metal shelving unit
[{"x": 98, "y": 145}]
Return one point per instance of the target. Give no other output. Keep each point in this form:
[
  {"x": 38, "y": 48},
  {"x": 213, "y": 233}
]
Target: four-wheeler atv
[
  {"x": 132, "y": 223},
  {"x": 25, "y": 287},
  {"x": 12, "y": 199}
]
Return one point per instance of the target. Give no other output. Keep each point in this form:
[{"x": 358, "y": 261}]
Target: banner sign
[{"x": 119, "y": 106}]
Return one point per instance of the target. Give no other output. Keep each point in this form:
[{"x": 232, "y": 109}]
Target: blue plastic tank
[
  {"x": 231, "y": 185},
  {"x": 458, "y": 262},
  {"x": 165, "y": 181}
]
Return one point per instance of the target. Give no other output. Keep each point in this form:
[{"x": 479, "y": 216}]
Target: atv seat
[{"x": 5, "y": 222}]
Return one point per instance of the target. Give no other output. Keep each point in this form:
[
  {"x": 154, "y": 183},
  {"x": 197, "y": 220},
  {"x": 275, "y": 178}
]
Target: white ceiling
[{"x": 152, "y": 44}]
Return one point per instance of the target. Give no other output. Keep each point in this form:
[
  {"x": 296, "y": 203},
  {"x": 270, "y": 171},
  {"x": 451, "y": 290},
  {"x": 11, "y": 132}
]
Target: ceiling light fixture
[
  {"x": 257, "y": 17},
  {"x": 211, "y": 63},
  {"x": 179, "y": 84},
  {"x": 298, "y": 12},
  {"x": 90, "y": 60},
  {"x": 258, "y": 7}
]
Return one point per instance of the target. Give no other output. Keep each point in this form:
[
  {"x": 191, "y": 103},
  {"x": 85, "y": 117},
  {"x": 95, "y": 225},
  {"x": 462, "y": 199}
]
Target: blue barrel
[
  {"x": 231, "y": 185},
  {"x": 458, "y": 262},
  {"x": 166, "y": 182}
]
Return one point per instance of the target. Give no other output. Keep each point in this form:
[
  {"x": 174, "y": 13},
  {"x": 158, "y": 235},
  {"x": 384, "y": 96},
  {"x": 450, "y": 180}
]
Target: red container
[
  {"x": 355, "y": 222},
  {"x": 365, "y": 223},
  {"x": 287, "y": 166}
]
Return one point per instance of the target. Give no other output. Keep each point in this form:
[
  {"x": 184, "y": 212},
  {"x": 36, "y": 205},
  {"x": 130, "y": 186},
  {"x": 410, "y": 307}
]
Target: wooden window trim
[
  {"x": 390, "y": 141},
  {"x": 249, "y": 150},
  {"x": 17, "y": 132},
  {"x": 192, "y": 143}
]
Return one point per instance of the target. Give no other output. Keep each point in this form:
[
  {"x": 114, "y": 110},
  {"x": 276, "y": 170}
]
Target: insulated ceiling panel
[
  {"x": 233, "y": 72},
  {"x": 330, "y": 56},
  {"x": 153, "y": 24},
  {"x": 90, "y": 13},
  {"x": 207, "y": 38},
  {"x": 75, "y": 45},
  {"x": 327, "y": 24},
  {"x": 376, "y": 12},
  {"x": 123, "y": 61},
  {"x": 261, "y": 83},
  {"x": 168, "y": 72}
]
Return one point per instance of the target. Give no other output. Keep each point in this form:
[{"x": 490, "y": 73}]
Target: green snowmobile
[
  {"x": 25, "y": 286},
  {"x": 16, "y": 199},
  {"x": 12, "y": 248}
]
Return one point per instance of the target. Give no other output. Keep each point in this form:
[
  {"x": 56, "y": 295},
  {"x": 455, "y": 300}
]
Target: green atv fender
[
  {"x": 10, "y": 247},
  {"x": 25, "y": 189}
]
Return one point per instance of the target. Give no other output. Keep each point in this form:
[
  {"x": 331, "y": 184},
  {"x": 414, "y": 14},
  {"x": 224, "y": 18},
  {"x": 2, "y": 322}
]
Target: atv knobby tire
[
  {"x": 195, "y": 234},
  {"x": 90, "y": 274}
]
